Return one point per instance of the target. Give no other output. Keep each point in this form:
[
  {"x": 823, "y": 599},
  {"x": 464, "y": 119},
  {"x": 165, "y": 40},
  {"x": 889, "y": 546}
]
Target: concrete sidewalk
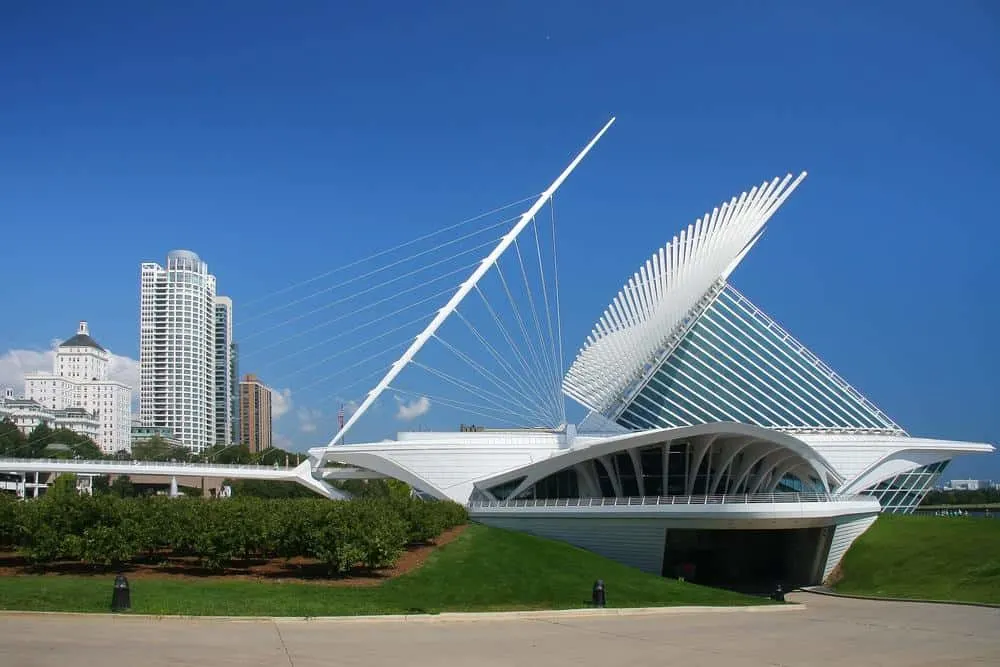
[
  {"x": 465, "y": 617},
  {"x": 828, "y": 631}
]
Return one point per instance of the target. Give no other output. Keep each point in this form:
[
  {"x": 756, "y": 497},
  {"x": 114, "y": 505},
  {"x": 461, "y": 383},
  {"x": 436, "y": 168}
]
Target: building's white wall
[
  {"x": 843, "y": 537},
  {"x": 865, "y": 460},
  {"x": 27, "y": 419},
  {"x": 111, "y": 402},
  {"x": 850, "y": 455},
  {"x": 81, "y": 363},
  {"x": 74, "y": 385},
  {"x": 639, "y": 543},
  {"x": 81, "y": 424},
  {"x": 53, "y": 392},
  {"x": 452, "y": 467},
  {"x": 177, "y": 348}
]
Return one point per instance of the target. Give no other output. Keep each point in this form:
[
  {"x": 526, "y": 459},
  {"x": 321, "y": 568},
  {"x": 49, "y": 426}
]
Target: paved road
[{"x": 830, "y": 631}]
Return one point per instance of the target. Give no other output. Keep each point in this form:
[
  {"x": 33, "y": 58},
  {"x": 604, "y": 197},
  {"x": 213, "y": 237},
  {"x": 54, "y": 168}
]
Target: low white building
[
  {"x": 28, "y": 415},
  {"x": 968, "y": 485},
  {"x": 143, "y": 434},
  {"x": 79, "y": 379}
]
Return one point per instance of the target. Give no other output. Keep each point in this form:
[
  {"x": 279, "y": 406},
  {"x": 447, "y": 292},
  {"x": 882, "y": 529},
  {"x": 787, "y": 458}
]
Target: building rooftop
[
  {"x": 23, "y": 403},
  {"x": 82, "y": 339}
]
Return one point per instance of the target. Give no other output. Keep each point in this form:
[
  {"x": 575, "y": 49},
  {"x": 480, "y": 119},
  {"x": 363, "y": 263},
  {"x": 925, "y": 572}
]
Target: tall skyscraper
[
  {"x": 79, "y": 379},
  {"x": 224, "y": 378},
  {"x": 255, "y": 414},
  {"x": 177, "y": 349}
]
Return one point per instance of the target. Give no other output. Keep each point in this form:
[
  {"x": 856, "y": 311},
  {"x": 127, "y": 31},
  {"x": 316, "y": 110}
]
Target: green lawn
[
  {"x": 484, "y": 569},
  {"x": 966, "y": 506},
  {"x": 926, "y": 557}
]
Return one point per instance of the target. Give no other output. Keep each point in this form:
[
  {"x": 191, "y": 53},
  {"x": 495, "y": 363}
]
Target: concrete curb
[
  {"x": 447, "y": 617},
  {"x": 823, "y": 590}
]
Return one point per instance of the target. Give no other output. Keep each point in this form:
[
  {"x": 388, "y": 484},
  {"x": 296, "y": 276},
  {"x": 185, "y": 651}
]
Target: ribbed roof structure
[{"x": 679, "y": 346}]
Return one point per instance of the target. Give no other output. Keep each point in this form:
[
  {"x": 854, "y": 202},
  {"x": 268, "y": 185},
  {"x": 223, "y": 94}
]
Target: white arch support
[{"x": 466, "y": 287}]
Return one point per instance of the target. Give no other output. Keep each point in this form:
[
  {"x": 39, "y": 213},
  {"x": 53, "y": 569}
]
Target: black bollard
[
  {"x": 121, "y": 599},
  {"x": 598, "y": 595}
]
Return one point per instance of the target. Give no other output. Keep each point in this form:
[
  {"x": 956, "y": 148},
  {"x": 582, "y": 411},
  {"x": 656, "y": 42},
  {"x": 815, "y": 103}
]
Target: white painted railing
[
  {"x": 148, "y": 464},
  {"x": 669, "y": 500}
]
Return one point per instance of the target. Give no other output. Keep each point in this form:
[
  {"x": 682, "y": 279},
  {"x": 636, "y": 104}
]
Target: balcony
[{"x": 740, "y": 499}]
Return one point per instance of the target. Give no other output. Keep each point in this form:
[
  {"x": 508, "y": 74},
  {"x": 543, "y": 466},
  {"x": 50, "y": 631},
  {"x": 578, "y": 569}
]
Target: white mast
[{"x": 466, "y": 287}]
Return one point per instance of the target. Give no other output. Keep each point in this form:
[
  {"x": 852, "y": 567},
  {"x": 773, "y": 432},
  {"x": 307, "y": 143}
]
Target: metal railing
[
  {"x": 149, "y": 464},
  {"x": 739, "y": 499}
]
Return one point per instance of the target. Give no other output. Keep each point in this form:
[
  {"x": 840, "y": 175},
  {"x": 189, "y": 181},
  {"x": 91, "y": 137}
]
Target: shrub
[
  {"x": 109, "y": 530},
  {"x": 380, "y": 535},
  {"x": 8, "y": 521}
]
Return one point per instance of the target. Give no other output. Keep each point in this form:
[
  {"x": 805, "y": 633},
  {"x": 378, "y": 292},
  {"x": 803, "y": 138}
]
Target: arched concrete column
[
  {"x": 772, "y": 462},
  {"x": 699, "y": 447},
  {"x": 751, "y": 457},
  {"x": 609, "y": 466},
  {"x": 586, "y": 480},
  {"x": 731, "y": 448},
  {"x": 633, "y": 454},
  {"x": 792, "y": 467},
  {"x": 666, "y": 465},
  {"x": 767, "y": 464}
]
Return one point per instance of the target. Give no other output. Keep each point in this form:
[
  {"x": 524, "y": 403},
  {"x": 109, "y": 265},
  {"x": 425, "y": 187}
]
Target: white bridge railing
[
  {"x": 739, "y": 499},
  {"x": 45, "y": 463}
]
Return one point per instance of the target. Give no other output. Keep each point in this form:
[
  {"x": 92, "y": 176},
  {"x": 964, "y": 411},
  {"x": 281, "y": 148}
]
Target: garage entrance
[{"x": 750, "y": 561}]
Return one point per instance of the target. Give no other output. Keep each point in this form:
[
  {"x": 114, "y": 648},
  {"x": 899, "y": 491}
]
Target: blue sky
[{"x": 279, "y": 140}]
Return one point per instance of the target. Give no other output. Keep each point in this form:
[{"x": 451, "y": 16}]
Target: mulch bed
[{"x": 276, "y": 569}]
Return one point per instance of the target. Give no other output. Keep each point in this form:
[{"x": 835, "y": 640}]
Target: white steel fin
[{"x": 655, "y": 302}]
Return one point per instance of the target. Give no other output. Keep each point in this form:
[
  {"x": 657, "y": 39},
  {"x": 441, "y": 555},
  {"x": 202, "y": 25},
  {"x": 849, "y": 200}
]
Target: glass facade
[
  {"x": 735, "y": 364},
  {"x": 902, "y": 494}
]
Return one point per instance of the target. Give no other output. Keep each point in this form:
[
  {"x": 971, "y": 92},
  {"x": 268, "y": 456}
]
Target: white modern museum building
[{"x": 715, "y": 444}]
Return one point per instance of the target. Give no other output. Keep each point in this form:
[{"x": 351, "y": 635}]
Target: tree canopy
[
  {"x": 12, "y": 441},
  {"x": 158, "y": 449}
]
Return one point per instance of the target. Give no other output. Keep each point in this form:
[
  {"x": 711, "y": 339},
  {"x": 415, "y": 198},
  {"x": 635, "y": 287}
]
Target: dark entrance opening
[{"x": 750, "y": 561}]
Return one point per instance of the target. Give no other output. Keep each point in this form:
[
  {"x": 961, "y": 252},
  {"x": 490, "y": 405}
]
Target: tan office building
[{"x": 255, "y": 414}]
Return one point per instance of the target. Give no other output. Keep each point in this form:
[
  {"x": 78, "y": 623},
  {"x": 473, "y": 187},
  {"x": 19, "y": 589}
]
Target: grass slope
[
  {"x": 925, "y": 557},
  {"x": 484, "y": 569}
]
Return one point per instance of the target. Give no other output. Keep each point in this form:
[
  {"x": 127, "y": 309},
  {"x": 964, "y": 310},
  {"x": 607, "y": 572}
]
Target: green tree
[
  {"x": 39, "y": 438},
  {"x": 262, "y": 488},
  {"x": 122, "y": 487},
  {"x": 158, "y": 449},
  {"x": 63, "y": 486},
  {"x": 77, "y": 446},
  {"x": 100, "y": 485},
  {"x": 228, "y": 454},
  {"x": 12, "y": 441}
]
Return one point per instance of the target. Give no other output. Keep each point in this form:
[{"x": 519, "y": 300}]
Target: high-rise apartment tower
[
  {"x": 255, "y": 414},
  {"x": 177, "y": 349},
  {"x": 226, "y": 380}
]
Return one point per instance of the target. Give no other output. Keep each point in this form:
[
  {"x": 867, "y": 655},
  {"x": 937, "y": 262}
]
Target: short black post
[
  {"x": 598, "y": 596},
  {"x": 121, "y": 599},
  {"x": 779, "y": 594}
]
